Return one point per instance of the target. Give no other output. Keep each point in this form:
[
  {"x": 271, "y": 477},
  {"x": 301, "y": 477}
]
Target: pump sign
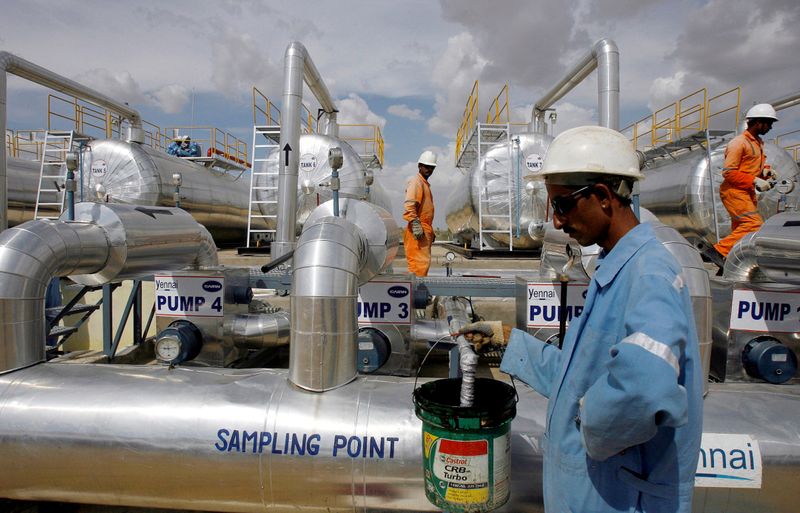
[
  {"x": 384, "y": 302},
  {"x": 759, "y": 310},
  {"x": 189, "y": 296},
  {"x": 544, "y": 301},
  {"x": 728, "y": 461}
]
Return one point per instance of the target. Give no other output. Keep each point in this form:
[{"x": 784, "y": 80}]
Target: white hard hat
[
  {"x": 428, "y": 158},
  {"x": 762, "y": 111},
  {"x": 588, "y": 150}
]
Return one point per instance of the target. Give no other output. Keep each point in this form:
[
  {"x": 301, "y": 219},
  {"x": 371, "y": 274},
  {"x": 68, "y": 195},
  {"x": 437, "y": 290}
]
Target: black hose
[
  {"x": 275, "y": 263},
  {"x": 562, "y": 310}
]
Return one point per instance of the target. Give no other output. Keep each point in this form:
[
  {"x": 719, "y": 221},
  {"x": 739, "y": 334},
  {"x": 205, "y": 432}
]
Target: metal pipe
[
  {"x": 298, "y": 67},
  {"x": 604, "y": 55},
  {"x": 787, "y": 101},
  {"x": 333, "y": 257},
  {"x": 105, "y": 243},
  {"x": 772, "y": 254},
  {"x": 10, "y": 63},
  {"x": 259, "y": 331},
  {"x": 327, "y": 261}
]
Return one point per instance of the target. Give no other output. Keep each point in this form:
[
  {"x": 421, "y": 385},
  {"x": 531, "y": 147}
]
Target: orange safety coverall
[
  {"x": 418, "y": 205},
  {"x": 744, "y": 161}
]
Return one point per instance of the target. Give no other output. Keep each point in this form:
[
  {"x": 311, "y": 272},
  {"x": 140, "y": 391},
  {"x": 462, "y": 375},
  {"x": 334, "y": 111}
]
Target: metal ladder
[
  {"x": 488, "y": 136},
  {"x": 266, "y": 139},
  {"x": 53, "y": 172}
]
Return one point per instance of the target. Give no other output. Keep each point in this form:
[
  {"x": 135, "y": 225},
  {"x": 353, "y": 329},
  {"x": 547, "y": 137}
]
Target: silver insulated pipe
[
  {"x": 104, "y": 243},
  {"x": 333, "y": 257},
  {"x": 772, "y": 254},
  {"x": 10, "y": 63},
  {"x": 603, "y": 56},
  {"x": 297, "y": 68}
]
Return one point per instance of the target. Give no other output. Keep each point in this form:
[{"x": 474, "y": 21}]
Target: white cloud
[
  {"x": 665, "y": 90},
  {"x": 171, "y": 99},
  {"x": 121, "y": 85},
  {"x": 354, "y": 110},
  {"x": 402, "y": 110}
]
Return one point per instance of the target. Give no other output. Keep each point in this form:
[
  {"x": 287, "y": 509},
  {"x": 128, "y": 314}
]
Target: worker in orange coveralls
[
  {"x": 744, "y": 172},
  {"x": 418, "y": 213}
]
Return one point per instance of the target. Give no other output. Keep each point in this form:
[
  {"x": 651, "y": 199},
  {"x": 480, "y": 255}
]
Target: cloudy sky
[{"x": 407, "y": 66}]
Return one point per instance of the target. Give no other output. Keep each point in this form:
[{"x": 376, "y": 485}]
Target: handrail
[
  {"x": 793, "y": 147},
  {"x": 721, "y": 97},
  {"x": 467, "y": 119},
  {"x": 267, "y": 112},
  {"x": 497, "y": 109},
  {"x": 692, "y": 113},
  {"x": 692, "y": 116},
  {"x": 371, "y": 143},
  {"x": 214, "y": 142}
]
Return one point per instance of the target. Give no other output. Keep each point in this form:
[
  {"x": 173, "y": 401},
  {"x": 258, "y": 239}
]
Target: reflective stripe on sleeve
[{"x": 655, "y": 347}]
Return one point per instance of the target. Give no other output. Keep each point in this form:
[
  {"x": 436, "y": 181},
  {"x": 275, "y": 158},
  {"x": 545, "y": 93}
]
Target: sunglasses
[{"x": 566, "y": 202}]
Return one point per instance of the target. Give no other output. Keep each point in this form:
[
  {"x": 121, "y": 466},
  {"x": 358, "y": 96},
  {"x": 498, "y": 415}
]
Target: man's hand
[
  {"x": 416, "y": 229},
  {"x": 762, "y": 185},
  {"x": 483, "y": 334},
  {"x": 769, "y": 174}
]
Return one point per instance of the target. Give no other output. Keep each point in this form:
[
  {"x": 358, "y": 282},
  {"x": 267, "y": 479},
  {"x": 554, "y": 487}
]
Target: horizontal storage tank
[
  {"x": 677, "y": 190},
  {"x": 117, "y": 171},
  {"x": 485, "y": 187},
  {"x": 314, "y": 175}
]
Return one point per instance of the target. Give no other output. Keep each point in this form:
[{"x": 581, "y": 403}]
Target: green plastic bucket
[{"x": 466, "y": 450}]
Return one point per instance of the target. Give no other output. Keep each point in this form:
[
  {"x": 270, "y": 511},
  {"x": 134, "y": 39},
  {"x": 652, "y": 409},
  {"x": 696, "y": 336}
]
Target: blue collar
[{"x": 610, "y": 263}]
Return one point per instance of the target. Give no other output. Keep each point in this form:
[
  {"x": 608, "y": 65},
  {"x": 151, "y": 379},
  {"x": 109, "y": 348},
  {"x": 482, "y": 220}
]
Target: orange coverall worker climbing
[
  {"x": 744, "y": 172},
  {"x": 418, "y": 213}
]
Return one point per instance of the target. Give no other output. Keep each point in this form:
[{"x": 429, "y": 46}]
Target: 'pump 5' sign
[{"x": 544, "y": 303}]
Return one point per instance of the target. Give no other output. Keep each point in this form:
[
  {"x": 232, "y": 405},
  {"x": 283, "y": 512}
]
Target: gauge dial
[
  {"x": 450, "y": 256},
  {"x": 168, "y": 348}
]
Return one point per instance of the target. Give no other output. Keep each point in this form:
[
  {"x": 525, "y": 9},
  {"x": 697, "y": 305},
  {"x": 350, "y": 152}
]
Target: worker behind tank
[
  {"x": 182, "y": 146},
  {"x": 418, "y": 213},
  {"x": 624, "y": 418},
  {"x": 744, "y": 172}
]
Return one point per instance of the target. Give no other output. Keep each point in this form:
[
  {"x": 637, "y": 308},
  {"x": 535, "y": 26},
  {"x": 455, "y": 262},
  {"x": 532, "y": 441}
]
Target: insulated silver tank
[
  {"x": 485, "y": 187},
  {"x": 677, "y": 190},
  {"x": 117, "y": 171},
  {"x": 23, "y": 179},
  {"x": 314, "y": 176}
]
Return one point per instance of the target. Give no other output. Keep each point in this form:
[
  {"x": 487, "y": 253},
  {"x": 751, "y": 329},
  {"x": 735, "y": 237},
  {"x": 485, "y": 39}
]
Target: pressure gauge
[
  {"x": 450, "y": 256},
  {"x": 181, "y": 341}
]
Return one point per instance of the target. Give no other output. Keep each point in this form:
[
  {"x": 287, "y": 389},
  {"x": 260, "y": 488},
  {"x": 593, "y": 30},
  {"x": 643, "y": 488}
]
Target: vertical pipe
[
  {"x": 3, "y": 156},
  {"x": 297, "y": 68},
  {"x": 603, "y": 55}
]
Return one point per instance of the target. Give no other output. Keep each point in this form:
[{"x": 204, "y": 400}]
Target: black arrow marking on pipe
[
  {"x": 153, "y": 211},
  {"x": 287, "y": 149}
]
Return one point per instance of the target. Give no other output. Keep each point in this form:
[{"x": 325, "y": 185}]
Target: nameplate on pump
[
  {"x": 189, "y": 296},
  {"x": 728, "y": 461},
  {"x": 761, "y": 310},
  {"x": 544, "y": 303},
  {"x": 384, "y": 302}
]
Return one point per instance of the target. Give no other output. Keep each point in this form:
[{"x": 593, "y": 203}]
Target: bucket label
[
  {"x": 765, "y": 311},
  {"x": 460, "y": 470}
]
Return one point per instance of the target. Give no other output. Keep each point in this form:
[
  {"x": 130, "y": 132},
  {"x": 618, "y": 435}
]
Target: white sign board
[
  {"x": 759, "y": 310},
  {"x": 533, "y": 162},
  {"x": 384, "y": 302},
  {"x": 189, "y": 296},
  {"x": 308, "y": 162},
  {"x": 99, "y": 168},
  {"x": 544, "y": 300},
  {"x": 728, "y": 461}
]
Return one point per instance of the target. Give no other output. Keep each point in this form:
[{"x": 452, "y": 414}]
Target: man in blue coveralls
[{"x": 624, "y": 416}]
